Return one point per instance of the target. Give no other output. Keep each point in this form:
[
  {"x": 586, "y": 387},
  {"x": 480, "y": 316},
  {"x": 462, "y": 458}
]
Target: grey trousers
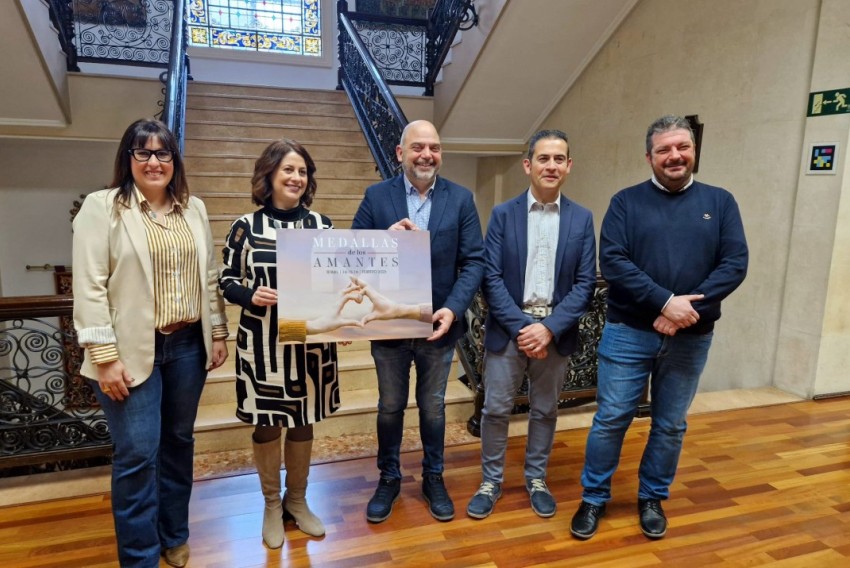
[{"x": 503, "y": 374}]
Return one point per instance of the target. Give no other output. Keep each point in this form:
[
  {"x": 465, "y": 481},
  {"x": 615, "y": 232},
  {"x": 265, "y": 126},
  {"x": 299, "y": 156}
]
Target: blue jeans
[
  {"x": 392, "y": 363},
  {"x": 152, "y": 433},
  {"x": 503, "y": 374},
  {"x": 627, "y": 359}
]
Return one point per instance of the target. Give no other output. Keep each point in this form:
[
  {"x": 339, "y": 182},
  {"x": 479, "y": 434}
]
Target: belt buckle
[{"x": 539, "y": 311}]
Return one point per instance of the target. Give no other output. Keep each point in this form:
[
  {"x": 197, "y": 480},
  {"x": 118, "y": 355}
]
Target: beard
[{"x": 414, "y": 172}]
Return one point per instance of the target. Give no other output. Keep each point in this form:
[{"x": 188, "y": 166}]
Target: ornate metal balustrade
[
  {"x": 124, "y": 31},
  {"x": 444, "y": 21},
  {"x": 580, "y": 381},
  {"x": 411, "y": 51},
  {"x": 397, "y": 46},
  {"x": 377, "y": 111},
  {"x": 62, "y": 18},
  {"x": 48, "y": 412},
  {"x": 176, "y": 78}
]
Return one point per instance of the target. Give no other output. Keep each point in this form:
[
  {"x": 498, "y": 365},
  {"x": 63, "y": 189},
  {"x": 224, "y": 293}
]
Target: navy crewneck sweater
[{"x": 655, "y": 244}]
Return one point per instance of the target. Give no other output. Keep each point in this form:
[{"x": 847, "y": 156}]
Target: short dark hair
[
  {"x": 267, "y": 164},
  {"x": 546, "y": 134},
  {"x": 136, "y": 136},
  {"x": 665, "y": 124}
]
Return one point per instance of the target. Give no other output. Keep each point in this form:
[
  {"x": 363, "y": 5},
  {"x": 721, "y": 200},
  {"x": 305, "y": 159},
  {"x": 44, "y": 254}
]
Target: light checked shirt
[{"x": 543, "y": 223}]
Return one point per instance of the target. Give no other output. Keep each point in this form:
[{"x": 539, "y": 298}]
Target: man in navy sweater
[{"x": 671, "y": 249}]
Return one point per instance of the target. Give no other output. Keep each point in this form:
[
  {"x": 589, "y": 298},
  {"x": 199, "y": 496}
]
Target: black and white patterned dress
[{"x": 276, "y": 385}]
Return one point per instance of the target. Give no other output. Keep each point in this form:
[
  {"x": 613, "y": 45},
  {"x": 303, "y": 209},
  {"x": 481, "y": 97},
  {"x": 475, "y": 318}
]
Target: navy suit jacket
[
  {"x": 506, "y": 252},
  {"x": 457, "y": 251}
]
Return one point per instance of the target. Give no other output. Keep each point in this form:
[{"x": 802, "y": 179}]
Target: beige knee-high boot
[
  {"x": 296, "y": 455},
  {"x": 267, "y": 460}
]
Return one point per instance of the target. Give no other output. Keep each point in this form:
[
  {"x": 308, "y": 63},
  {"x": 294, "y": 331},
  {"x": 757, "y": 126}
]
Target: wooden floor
[{"x": 762, "y": 486}]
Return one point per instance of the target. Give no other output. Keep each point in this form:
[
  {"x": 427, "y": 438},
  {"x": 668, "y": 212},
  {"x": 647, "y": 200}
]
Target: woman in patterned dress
[{"x": 277, "y": 386}]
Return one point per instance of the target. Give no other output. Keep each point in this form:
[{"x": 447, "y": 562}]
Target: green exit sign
[{"x": 829, "y": 102}]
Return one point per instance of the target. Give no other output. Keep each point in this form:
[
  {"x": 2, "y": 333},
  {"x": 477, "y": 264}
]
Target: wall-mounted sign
[
  {"x": 834, "y": 101},
  {"x": 822, "y": 158}
]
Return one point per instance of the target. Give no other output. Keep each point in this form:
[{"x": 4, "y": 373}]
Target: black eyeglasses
[{"x": 143, "y": 154}]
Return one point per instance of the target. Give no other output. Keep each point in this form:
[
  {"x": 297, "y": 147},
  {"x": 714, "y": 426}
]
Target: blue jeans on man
[
  {"x": 392, "y": 364},
  {"x": 152, "y": 432},
  {"x": 628, "y": 357}
]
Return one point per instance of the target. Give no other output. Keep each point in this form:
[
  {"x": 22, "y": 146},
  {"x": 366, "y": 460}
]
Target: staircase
[{"x": 227, "y": 127}]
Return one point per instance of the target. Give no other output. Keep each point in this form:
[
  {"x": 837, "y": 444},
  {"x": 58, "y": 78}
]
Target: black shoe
[
  {"x": 586, "y": 520},
  {"x": 653, "y": 523},
  {"x": 439, "y": 502},
  {"x": 381, "y": 504}
]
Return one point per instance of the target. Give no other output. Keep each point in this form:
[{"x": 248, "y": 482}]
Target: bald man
[{"x": 418, "y": 199}]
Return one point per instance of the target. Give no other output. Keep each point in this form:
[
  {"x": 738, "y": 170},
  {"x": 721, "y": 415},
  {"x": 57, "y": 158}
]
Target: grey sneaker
[
  {"x": 482, "y": 503},
  {"x": 542, "y": 501}
]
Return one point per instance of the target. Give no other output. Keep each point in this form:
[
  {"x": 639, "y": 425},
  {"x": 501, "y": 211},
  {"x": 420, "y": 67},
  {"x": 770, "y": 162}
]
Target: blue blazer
[
  {"x": 506, "y": 251},
  {"x": 457, "y": 251}
]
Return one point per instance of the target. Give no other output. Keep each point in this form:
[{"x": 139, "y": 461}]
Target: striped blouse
[{"x": 176, "y": 282}]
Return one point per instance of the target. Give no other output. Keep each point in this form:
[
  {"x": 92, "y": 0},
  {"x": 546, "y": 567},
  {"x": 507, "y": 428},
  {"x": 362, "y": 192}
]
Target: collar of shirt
[
  {"x": 145, "y": 205},
  {"x": 534, "y": 205},
  {"x": 410, "y": 190},
  {"x": 657, "y": 184}
]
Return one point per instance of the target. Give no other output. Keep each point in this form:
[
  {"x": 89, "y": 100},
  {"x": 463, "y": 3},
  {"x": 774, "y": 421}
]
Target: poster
[{"x": 351, "y": 285}]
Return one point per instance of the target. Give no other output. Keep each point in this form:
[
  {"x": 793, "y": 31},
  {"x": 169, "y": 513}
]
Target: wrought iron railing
[
  {"x": 48, "y": 411},
  {"x": 411, "y": 51},
  {"x": 447, "y": 17},
  {"x": 134, "y": 32},
  {"x": 579, "y": 385},
  {"x": 177, "y": 77},
  {"x": 377, "y": 111},
  {"x": 62, "y": 18}
]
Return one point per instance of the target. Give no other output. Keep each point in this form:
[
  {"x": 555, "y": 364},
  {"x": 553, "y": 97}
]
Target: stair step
[
  {"x": 218, "y": 100},
  {"x": 235, "y": 129},
  {"x": 308, "y": 95},
  {"x": 217, "y": 428},
  {"x": 273, "y": 117},
  {"x": 353, "y": 148}
]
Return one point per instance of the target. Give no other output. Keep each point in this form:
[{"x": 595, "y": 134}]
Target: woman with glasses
[
  {"x": 148, "y": 312},
  {"x": 278, "y": 386}
]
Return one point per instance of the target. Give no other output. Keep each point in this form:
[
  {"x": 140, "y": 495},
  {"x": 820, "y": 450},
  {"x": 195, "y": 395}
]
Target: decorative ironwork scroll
[
  {"x": 579, "y": 385},
  {"x": 126, "y": 31},
  {"x": 377, "y": 111},
  {"x": 38, "y": 421},
  {"x": 443, "y": 24},
  {"x": 398, "y": 50}
]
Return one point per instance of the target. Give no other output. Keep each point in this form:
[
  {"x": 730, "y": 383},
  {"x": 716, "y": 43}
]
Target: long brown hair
[
  {"x": 267, "y": 164},
  {"x": 136, "y": 136}
]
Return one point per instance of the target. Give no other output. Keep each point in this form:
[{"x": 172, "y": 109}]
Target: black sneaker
[
  {"x": 653, "y": 523},
  {"x": 586, "y": 520},
  {"x": 381, "y": 504},
  {"x": 439, "y": 502}
]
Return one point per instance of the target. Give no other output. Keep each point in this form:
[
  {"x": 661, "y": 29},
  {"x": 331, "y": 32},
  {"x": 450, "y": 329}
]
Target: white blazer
[{"x": 113, "y": 280}]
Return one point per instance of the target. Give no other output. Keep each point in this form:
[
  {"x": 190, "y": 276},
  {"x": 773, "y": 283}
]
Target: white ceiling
[{"x": 535, "y": 52}]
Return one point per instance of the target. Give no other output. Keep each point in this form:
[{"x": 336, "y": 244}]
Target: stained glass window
[{"x": 277, "y": 26}]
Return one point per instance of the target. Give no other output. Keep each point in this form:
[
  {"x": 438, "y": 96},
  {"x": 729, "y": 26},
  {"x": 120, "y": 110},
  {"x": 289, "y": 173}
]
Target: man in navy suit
[
  {"x": 540, "y": 274},
  {"x": 417, "y": 200}
]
